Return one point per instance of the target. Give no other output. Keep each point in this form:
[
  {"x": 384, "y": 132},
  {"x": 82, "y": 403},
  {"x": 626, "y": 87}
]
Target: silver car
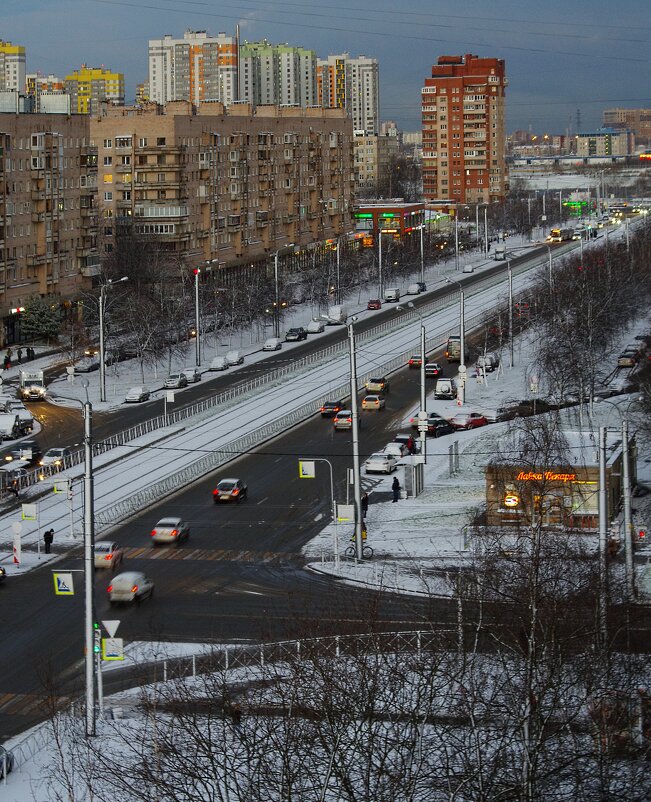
[
  {"x": 381, "y": 463},
  {"x": 108, "y": 555},
  {"x": 130, "y": 586},
  {"x": 170, "y": 530},
  {"x": 175, "y": 381}
]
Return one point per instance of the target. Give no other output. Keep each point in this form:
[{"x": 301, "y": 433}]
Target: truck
[
  {"x": 499, "y": 254},
  {"x": 32, "y": 385},
  {"x": 337, "y": 315},
  {"x": 453, "y": 349}
]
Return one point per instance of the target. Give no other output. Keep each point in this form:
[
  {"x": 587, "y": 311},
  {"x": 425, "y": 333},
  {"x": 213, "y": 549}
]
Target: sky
[{"x": 563, "y": 61}]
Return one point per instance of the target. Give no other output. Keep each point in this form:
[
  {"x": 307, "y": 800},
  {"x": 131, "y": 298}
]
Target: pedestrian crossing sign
[
  {"x": 112, "y": 649},
  {"x": 63, "y": 585},
  {"x": 306, "y": 469}
]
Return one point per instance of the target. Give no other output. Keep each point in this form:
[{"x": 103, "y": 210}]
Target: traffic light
[
  {"x": 97, "y": 638},
  {"x": 642, "y": 534}
]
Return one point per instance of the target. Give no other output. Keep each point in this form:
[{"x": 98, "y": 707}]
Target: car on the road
[
  {"x": 7, "y": 761},
  {"x": 414, "y": 289},
  {"x": 3, "y": 573},
  {"x": 272, "y": 344},
  {"x": 374, "y": 303},
  {"x": 381, "y": 463},
  {"x": 175, "y": 381},
  {"x": 377, "y": 384},
  {"x": 25, "y": 417},
  {"x": 445, "y": 388},
  {"x": 468, "y": 420},
  {"x": 170, "y": 530},
  {"x": 315, "y": 326},
  {"x": 432, "y": 370},
  {"x": 436, "y": 425},
  {"x": 192, "y": 375},
  {"x": 343, "y": 420},
  {"x": 295, "y": 334},
  {"x": 137, "y": 394},
  {"x": 25, "y": 451},
  {"x": 629, "y": 357},
  {"x": 54, "y": 457},
  {"x": 130, "y": 586},
  {"x": 373, "y": 402},
  {"x": 230, "y": 490},
  {"x": 414, "y": 361},
  {"x": 108, "y": 555},
  {"x": 330, "y": 408},
  {"x": 87, "y": 364}
]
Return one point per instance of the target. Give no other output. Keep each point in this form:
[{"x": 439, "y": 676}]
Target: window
[
  {"x": 108, "y": 196},
  {"x": 142, "y": 142},
  {"x": 108, "y": 178},
  {"x": 160, "y": 141},
  {"x": 108, "y": 161},
  {"x": 108, "y": 143}
]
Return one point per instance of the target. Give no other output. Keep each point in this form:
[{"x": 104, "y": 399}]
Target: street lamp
[
  {"x": 379, "y": 260},
  {"x": 423, "y": 396},
  {"x": 462, "y": 338},
  {"x": 102, "y": 365},
  {"x": 277, "y": 291}
]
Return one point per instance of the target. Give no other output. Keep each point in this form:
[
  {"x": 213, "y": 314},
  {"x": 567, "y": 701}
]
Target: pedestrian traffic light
[
  {"x": 642, "y": 534},
  {"x": 97, "y": 638}
]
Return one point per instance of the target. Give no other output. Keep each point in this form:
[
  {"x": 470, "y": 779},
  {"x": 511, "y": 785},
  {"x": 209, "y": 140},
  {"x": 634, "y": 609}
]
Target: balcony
[
  {"x": 90, "y": 271},
  {"x": 36, "y": 259},
  {"x": 38, "y": 217},
  {"x": 37, "y": 194},
  {"x": 123, "y": 168}
]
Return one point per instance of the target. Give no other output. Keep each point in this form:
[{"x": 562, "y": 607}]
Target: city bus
[{"x": 560, "y": 235}]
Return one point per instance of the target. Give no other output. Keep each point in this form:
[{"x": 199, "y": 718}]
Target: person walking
[
  {"x": 364, "y": 504},
  {"x": 7, "y": 361},
  {"x": 396, "y": 489},
  {"x": 48, "y": 537},
  {"x": 20, "y": 355}
]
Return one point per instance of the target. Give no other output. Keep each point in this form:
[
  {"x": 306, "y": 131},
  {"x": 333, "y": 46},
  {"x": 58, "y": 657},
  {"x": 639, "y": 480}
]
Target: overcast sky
[{"x": 562, "y": 58}]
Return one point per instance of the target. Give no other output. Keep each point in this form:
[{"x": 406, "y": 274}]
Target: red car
[
  {"x": 468, "y": 420},
  {"x": 374, "y": 303}
]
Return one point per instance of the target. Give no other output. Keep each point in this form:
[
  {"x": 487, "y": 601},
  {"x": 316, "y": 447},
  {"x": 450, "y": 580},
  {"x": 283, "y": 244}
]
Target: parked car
[
  {"x": 343, "y": 420},
  {"x": 398, "y": 450},
  {"x": 377, "y": 384},
  {"x": 414, "y": 289},
  {"x": 175, "y": 381},
  {"x": 375, "y": 402},
  {"x": 409, "y": 440},
  {"x": 234, "y": 358},
  {"x": 422, "y": 287},
  {"x": 219, "y": 363},
  {"x": 381, "y": 463},
  {"x": 445, "y": 388},
  {"x": 192, "y": 375},
  {"x": 330, "y": 408},
  {"x": 25, "y": 417},
  {"x": 315, "y": 326},
  {"x": 108, "y": 555},
  {"x": 488, "y": 362},
  {"x": 170, "y": 530},
  {"x": 468, "y": 420},
  {"x": 436, "y": 425},
  {"x": 432, "y": 370},
  {"x": 230, "y": 490},
  {"x": 130, "y": 586},
  {"x": 628, "y": 358},
  {"x": 296, "y": 334},
  {"x": 374, "y": 303},
  {"x": 137, "y": 394},
  {"x": 414, "y": 361},
  {"x": 272, "y": 344}
]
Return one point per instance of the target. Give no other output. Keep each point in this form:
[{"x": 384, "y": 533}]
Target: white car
[
  {"x": 272, "y": 344},
  {"x": 137, "y": 394},
  {"x": 54, "y": 457},
  {"x": 219, "y": 363},
  {"x": 108, "y": 554},
  {"x": 130, "y": 586},
  {"x": 397, "y": 450},
  {"x": 315, "y": 326},
  {"x": 175, "y": 381},
  {"x": 170, "y": 530},
  {"x": 382, "y": 462},
  {"x": 192, "y": 375},
  {"x": 234, "y": 358}
]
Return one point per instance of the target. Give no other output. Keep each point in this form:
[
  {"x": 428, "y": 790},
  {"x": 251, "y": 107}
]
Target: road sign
[
  {"x": 29, "y": 512},
  {"x": 345, "y": 513},
  {"x": 306, "y": 469},
  {"x": 63, "y": 584},
  {"x": 112, "y": 648},
  {"x": 111, "y": 627}
]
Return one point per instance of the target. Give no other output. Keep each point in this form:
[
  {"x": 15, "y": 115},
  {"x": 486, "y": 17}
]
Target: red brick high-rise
[{"x": 463, "y": 130}]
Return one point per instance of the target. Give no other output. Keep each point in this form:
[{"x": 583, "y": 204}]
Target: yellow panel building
[{"x": 90, "y": 86}]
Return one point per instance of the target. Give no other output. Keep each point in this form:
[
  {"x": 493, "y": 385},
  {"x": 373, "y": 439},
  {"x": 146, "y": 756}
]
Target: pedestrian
[
  {"x": 396, "y": 489},
  {"x": 14, "y": 487},
  {"x": 48, "y": 537},
  {"x": 7, "y": 361},
  {"x": 411, "y": 446},
  {"x": 32, "y": 353},
  {"x": 20, "y": 355},
  {"x": 364, "y": 504}
]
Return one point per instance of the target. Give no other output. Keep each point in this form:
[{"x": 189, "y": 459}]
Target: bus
[{"x": 560, "y": 235}]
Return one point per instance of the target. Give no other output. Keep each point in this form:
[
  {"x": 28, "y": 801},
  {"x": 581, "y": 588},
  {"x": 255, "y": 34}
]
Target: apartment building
[
  {"x": 463, "y": 130},
  {"x": 372, "y": 157},
  {"x": 48, "y": 217},
  {"x": 277, "y": 74},
  {"x": 12, "y": 67},
  {"x": 605, "y": 142},
  {"x": 351, "y": 84},
  {"x": 198, "y": 67},
  {"x": 636, "y": 120},
  {"x": 89, "y": 87},
  {"x": 231, "y": 185}
]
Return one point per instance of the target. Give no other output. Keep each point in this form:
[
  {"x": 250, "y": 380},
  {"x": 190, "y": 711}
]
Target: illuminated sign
[
  {"x": 531, "y": 476},
  {"x": 511, "y": 500}
]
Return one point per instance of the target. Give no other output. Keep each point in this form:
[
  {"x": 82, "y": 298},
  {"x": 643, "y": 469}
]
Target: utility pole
[
  {"x": 197, "y": 346},
  {"x": 89, "y": 570},
  {"x": 603, "y": 540},
  {"x": 510, "y": 276},
  {"x": 357, "y": 489}
]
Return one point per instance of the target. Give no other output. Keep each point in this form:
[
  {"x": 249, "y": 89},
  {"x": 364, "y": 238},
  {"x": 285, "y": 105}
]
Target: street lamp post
[
  {"x": 462, "y": 338},
  {"x": 277, "y": 292},
  {"x": 422, "y": 254},
  {"x": 357, "y": 488},
  {"x": 89, "y": 570},
  {"x": 510, "y": 277},
  {"x": 379, "y": 262},
  {"x": 102, "y": 356},
  {"x": 197, "y": 340},
  {"x": 485, "y": 229},
  {"x": 423, "y": 375},
  {"x": 456, "y": 240},
  {"x": 338, "y": 293}
]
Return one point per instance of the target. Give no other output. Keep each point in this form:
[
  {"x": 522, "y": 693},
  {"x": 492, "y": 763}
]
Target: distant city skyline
[{"x": 565, "y": 65}]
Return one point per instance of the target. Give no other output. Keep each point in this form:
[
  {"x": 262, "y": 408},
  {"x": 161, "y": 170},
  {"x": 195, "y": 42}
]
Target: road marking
[
  {"x": 262, "y": 501},
  {"x": 211, "y": 555}
]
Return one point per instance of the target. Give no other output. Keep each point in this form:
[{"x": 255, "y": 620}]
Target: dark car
[
  {"x": 27, "y": 450},
  {"x": 3, "y": 573},
  {"x": 330, "y": 408},
  {"x": 421, "y": 286},
  {"x": 296, "y": 334},
  {"x": 414, "y": 361},
  {"x": 529, "y": 406},
  {"x": 230, "y": 490},
  {"x": 374, "y": 303},
  {"x": 436, "y": 425},
  {"x": 432, "y": 370}
]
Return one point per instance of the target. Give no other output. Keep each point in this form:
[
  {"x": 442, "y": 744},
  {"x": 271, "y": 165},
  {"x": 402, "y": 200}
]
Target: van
[
  {"x": 453, "y": 348},
  {"x": 392, "y": 295},
  {"x": 9, "y": 426},
  {"x": 468, "y": 268},
  {"x": 234, "y": 358},
  {"x": 413, "y": 289},
  {"x": 219, "y": 363},
  {"x": 499, "y": 254},
  {"x": 272, "y": 344},
  {"x": 445, "y": 388},
  {"x": 337, "y": 315}
]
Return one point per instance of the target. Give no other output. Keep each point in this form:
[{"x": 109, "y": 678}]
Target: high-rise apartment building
[
  {"x": 89, "y": 87},
  {"x": 463, "y": 130},
  {"x": 48, "y": 216},
  {"x": 636, "y": 120},
  {"x": 12, "y": 67},
  {"x": 196, "y": 68},
  {"x": 372, "y": 158},
  {"x": 277, "y": 74},
  {"x": 352, "y": 84}
]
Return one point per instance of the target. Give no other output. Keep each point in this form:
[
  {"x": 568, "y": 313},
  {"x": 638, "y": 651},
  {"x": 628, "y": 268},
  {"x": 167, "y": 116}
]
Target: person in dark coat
[
  {"x": 20, "y": 355},
  {"x": 396, "y": 489},
  {"x": 48, "y": 537},
  {"x": 364, "y": 504}
]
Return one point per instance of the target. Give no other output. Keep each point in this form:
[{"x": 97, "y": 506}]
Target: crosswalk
[
  {"x": 26, "y": 704},
  {"x": 208, "y": 555}
]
